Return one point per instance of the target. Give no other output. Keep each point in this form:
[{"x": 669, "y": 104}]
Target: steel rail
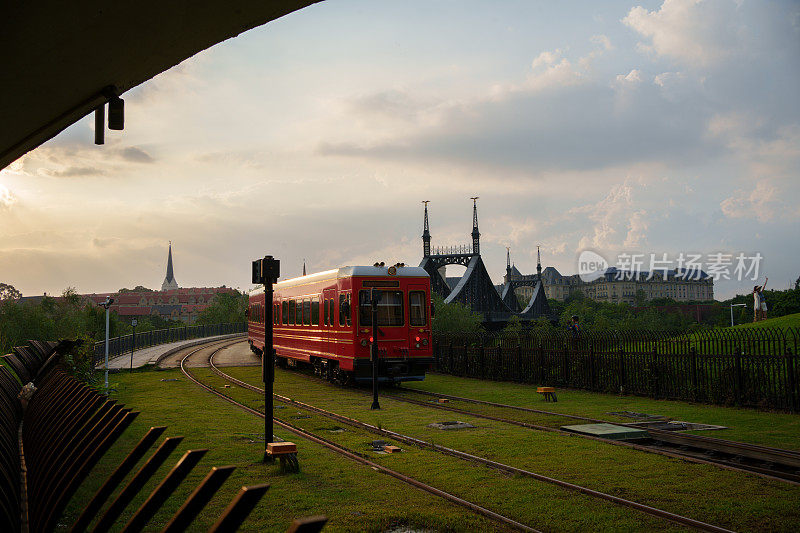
[
  {"x": 352, "y": 455},
  {"x": 660, "y": 513},
  {"x": 745, "y": 449},
  {"x": 734, "y": 466}
]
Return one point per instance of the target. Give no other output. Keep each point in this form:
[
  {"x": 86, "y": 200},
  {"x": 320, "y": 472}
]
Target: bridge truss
[{"x": 475, "y": 288}]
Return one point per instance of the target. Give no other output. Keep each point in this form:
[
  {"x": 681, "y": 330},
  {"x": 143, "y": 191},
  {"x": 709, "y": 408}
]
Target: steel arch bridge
[{"x": 475, "y": 288}]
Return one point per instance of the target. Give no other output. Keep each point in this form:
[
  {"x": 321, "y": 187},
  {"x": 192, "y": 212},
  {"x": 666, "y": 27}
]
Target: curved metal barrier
[{"x": 54, "y": 430}]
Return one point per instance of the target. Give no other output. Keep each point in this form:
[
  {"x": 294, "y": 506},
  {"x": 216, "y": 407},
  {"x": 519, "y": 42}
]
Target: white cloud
[
  {"x": 693, "y": 32},
  {"x": 634, "y": 76},
  {"x": 7, "y": 199},
  {"x": 759, "y": 203}
]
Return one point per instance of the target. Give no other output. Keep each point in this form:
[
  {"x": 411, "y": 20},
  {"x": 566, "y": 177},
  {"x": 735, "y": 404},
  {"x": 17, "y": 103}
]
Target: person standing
[{"x": 759, "y": 302}]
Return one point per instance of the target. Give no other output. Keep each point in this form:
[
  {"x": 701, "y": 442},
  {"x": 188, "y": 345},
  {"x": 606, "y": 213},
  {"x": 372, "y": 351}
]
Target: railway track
[
  {"x": 349, "y": 453},
  {"x": 660, "y": 513},
  {"x": 772, "y": 463}
]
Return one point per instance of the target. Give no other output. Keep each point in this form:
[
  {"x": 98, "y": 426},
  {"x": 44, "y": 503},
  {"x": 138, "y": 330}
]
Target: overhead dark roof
[{"x": 58, "y": 56}]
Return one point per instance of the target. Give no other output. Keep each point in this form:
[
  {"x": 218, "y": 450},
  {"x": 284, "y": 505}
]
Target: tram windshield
[{"x": 390, "y": 308}]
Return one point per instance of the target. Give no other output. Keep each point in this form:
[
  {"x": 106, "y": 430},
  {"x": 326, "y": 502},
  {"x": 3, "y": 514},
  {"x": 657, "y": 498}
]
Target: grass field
[
  {"x": 355, "y": 498},
  {"x": 787, "y": 321}
]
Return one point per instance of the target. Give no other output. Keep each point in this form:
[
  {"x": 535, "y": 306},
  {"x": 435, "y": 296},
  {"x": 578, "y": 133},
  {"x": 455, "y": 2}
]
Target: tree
[
  {"x": 227, "y": 307},
  {"x": 797, "y": 283},
  {"x": 641, "y": 298},
  {"x": 8, "y": 292},
  {"x": 455, "y": 317}
]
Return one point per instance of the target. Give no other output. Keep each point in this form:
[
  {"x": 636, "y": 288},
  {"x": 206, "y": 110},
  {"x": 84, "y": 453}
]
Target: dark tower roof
[{"x": 169, "y": 280}]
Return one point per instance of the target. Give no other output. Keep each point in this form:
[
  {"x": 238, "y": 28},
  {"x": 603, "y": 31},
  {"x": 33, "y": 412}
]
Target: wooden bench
[{"x": 549, "y": 393}]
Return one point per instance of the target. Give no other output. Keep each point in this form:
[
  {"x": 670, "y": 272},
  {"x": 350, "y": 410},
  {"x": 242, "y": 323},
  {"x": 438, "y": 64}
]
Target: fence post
[
  {"x": 592, "y": 369},
  {"x": 621, "y": 358},
  {"x": 737, "y": 362},
  {"x": 518, "y": 363},
  {"x": 790, "y": 366},
  {"x": 482, "y": 360},
  {"x": 695, "y": 386},
  {"x": 654, "y": 372}
]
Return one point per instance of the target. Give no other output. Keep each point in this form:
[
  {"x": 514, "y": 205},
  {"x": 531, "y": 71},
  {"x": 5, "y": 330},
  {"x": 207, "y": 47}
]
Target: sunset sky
[{"x": 618, "y": 127}]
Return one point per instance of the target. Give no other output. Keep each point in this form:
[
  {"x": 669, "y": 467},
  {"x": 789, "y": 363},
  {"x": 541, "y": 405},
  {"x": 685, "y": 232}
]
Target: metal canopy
[{"x": 58, "y": 58}]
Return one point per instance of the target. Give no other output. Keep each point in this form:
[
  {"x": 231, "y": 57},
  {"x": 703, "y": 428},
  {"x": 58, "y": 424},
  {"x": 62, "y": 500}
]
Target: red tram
[{"x": 325, "y": 319}]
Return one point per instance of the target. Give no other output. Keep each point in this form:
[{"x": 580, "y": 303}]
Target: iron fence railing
[
  {"x": 753, "y": 367},
  {"x": 125, "y": 343}
]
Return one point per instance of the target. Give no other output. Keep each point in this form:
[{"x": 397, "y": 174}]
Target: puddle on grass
[{"x": 335, "y": 429}]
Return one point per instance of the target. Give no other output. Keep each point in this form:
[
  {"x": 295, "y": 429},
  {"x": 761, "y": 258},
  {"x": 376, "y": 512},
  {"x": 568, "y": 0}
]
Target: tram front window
[{"x": 390, "y": 308}]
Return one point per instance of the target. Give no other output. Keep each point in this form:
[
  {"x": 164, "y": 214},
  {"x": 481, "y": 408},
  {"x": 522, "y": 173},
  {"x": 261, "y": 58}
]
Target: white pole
[
  {"x": 731, "y": 315},
  {"x": 106, "y": 349}
]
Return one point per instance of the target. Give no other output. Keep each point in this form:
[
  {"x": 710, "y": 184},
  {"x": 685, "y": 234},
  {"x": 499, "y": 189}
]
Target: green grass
[
  {"x": 736, "y": 500},
  {"x": 356, "y": 498},
  {"x": 786, "y": 321},
  {"x": 781, "y": 430},
  {"x": 352, "y": 496}
]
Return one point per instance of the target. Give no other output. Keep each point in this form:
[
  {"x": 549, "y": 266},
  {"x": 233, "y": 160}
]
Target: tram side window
[
  {"x": 298, "y": 312},
  {"x": 285, "y": 312},
  {"x": 306, "y": 311},
  {"x": 291, "y": 312},
  {"x": 344, "y": 310},
  {"x": 325, "y": 311},
  {"x": 315, "y": 311},
  {"x": 276, "y": 314},
  {"x": 416, "y": 308}
]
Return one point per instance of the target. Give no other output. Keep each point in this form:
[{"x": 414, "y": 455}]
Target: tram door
[
  {"x": 328, "y": 325},
  {"x": 418, "y": 307}
]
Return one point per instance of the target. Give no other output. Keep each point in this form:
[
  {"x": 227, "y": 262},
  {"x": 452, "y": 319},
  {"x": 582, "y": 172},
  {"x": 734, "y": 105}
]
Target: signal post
[{"x": 266, "y": 272}]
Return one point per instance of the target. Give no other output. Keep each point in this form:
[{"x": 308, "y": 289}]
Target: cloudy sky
[{"x": 618, "y": 127}]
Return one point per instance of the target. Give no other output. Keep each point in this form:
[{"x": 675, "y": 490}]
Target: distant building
[
  {"x": 177, "y": 304},
  {"x": 170, "y": 303},
  {"x": 619, "y": 286}
]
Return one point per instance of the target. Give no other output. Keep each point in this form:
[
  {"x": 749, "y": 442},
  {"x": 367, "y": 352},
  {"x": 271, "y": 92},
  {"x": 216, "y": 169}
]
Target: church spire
[
  {"x": 538, "y": 264},
  {"x": 169, "y": 280},
  {"x": 304, "y": 266},
  {"x": 508, "y": 261},
  {"x": 476, "y": 235},
  {"x": 426, "y": 234}
]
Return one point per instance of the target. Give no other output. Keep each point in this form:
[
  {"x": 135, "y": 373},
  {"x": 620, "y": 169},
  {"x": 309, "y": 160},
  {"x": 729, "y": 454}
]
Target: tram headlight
[
  {"x": 364, "y": 342},
  {"x": 424, "y": 342}
]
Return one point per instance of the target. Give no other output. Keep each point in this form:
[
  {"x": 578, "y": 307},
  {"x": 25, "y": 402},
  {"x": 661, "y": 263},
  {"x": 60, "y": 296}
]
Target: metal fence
[
  {"x": 753, "y": 367},
  {"x": 125, "y": 343}
]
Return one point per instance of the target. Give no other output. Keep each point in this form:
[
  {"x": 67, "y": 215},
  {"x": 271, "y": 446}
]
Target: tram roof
[{"x": 349, "y": 272}]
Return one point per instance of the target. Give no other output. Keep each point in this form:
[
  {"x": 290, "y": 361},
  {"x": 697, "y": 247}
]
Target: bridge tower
[
  {"x": 426, "y": 234},
  {"x": 476, "y": 235}
]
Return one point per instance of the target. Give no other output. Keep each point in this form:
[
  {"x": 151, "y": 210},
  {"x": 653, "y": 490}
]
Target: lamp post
[
  {"x": 106, "y": 305},
  {"x": 374, "y": 297},
  {"x": 732, "y": 306},
  {"x": 134, "y": 322}
]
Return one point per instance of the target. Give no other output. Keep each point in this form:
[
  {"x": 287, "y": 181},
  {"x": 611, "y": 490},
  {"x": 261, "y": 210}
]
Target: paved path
[{"x": 149, "y": 356}]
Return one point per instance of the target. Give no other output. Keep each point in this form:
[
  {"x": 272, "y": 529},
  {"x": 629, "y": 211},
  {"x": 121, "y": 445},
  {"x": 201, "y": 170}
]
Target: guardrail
[
  {"x": 125, "y": 343},
  {"x": 753, "y": 367},
  {"x": 54, "y": 430}
]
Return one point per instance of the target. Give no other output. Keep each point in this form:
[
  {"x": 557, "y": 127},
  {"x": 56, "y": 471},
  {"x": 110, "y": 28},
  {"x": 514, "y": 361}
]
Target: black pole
[
  {"x": 268, "y": 369},
  {"x": 266, "y": 272},
  {"x": 374, "y": 297}
]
